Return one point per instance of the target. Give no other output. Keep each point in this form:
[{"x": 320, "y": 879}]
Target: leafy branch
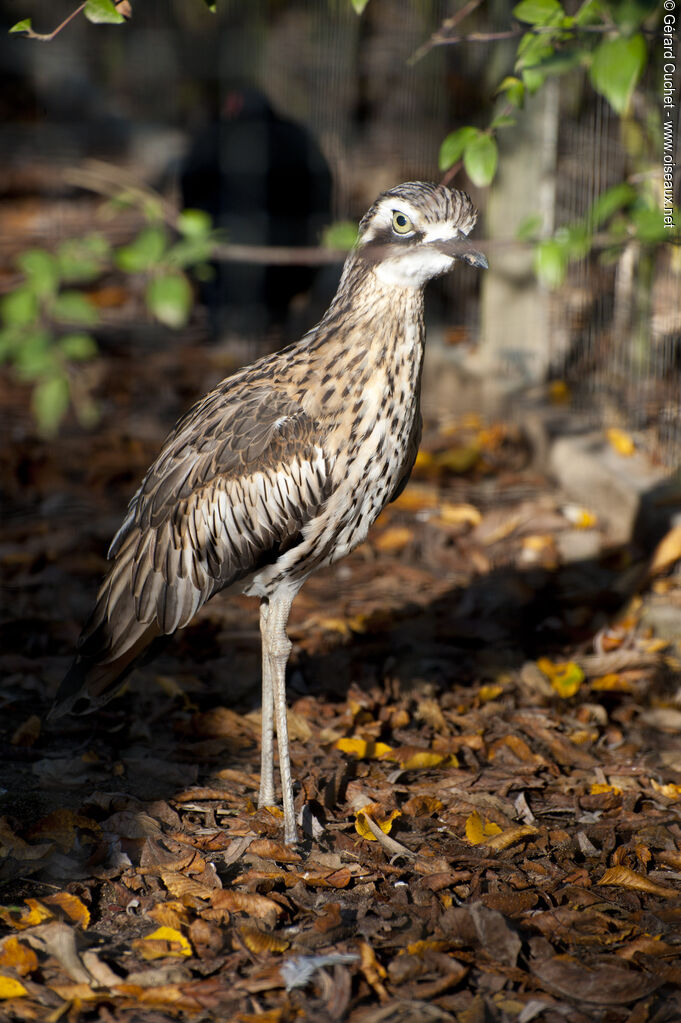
[
  {"x": 100, "y": 12},
  {"x": 48, "y": 320},
  {"x": 603, "y": 39}
]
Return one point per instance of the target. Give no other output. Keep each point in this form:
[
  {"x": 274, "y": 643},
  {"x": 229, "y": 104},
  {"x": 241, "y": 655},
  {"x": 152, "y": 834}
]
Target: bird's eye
[{"x": 401, "y": 223}]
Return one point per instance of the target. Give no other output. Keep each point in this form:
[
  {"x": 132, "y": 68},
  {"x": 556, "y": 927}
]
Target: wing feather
[{"x": 231, "y": 489}]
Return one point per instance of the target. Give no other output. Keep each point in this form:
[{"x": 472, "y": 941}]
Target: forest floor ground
[{"x": 484, "y": 713}]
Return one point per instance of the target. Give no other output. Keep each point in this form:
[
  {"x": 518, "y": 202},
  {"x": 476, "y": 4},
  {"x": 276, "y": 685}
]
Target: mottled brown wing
[{"x": 231, "y": 490}]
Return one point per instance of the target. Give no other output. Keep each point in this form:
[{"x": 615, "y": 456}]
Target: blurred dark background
[{"x": 284, "y": 117}]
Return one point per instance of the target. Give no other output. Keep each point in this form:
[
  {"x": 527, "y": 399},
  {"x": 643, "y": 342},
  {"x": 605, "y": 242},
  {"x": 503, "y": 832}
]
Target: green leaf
[
  {"x": 189, "y": 252},
  {"x": 78, "y": 347},
  {"x": 35, "y": 356},
  {"x": 628, "y": 15},
  {"x": 533, "y": 49},
  {"x": 514, "y": 89},
  {"x": 359, "y": 5},
  {"x": 41, "y": 269},
  {"x": 22, "y": 26},
  {"x": 550, "y": 263},
  {"x": 210, "y": 4},
  {"x": 616, "y": 68},
  {"x": 533, "y": 80},
  {"x": 480, "y": 160},
  {"x": 144, "y": 253},
  {"x": 454, "y": 144},
  {"x": 529, "y": 227},
  {"x": 341, "y": 235},
  {"x": 539, "y": 12},
  {"x": 74, "y": 307},
  {"x": 169, "y": 299},
  {"x": 649, "y": 224},
  {"x": 610, "y": 201},
  {"x": 82, "y": 259},
  {"x": 194, "y": 223},
  {"x": 590, "y": 13},
  {"x": 9, "y": 339},
  {"x": 102, "y": 12},
  {"x": 50, "y": 401},
  {"x": 575, "y": 239},
  {"x": 20, "y": 307},
  {"x": 502, "y": 121},
  {"x": 561, "y": 63}
]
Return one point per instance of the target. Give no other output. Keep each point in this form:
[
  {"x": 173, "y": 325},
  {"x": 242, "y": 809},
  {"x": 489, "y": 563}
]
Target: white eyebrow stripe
[{"x": 441, "y": 233}]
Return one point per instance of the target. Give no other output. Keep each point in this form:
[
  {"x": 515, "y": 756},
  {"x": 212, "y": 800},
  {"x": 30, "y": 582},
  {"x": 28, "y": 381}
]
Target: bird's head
[{"x": 416, "y": 231}]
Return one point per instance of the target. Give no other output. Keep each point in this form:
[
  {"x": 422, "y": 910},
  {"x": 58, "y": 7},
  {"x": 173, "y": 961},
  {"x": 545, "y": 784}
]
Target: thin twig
[
  {"x": 439, "y": 36},
  {"x": 47, "y": 37}
]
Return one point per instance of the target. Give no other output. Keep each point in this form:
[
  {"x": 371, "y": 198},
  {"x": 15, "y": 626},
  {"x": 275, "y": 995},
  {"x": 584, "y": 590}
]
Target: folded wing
[{"x": 230, "y": 492}]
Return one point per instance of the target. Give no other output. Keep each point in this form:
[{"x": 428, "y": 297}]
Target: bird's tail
[
  {"x": 91, "y": 682},
  {"x": 111, "y": 644}
]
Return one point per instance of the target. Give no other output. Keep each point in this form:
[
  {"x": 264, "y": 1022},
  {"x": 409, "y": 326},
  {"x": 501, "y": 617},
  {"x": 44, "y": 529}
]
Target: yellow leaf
[
  {"x": 559, "y": 392},
  {"x": 395, "y": 538},
  {"x": 565, "y": 678},
  {"x": 580, "y": 517},
  {"x": 422, "y": 759},
  {"x": 11, "y": 988},
  {"x": 599, "y": 787},
  {"x": 622, "y": 442},
  {"x": 164, "y": 941},
  {"x": 459, "y": 514},
  {"x": 669, "y": 791},
  {"x": 584, "y": 735},
  {"x": 478, "y": 831},
  {"x": 365, "y": 749},
  {"x": 667, "y": 552},
  {"x": 14, "y": 954},
  {"x": 458, "y": 460},
  {"x": 76, "y": 910},
  {"x": 420, "y": 948},
  {"x": 169, "y": 914},
  {"x": 35, "y": 914},
  {"x": 424, "y": 460},
  {"x": 537, "y": 543},
  {"x": 415, "y": 498},
  {"x": 627, "y": 878},
  {"x": 612, "y": 682},
  {"x": 342, "y": 626},
  {"x": 489, "y": 693},
  {"x": 362, "y": 828}
]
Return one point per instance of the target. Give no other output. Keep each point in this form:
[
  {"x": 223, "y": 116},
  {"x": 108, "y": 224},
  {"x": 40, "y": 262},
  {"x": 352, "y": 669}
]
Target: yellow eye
[{"x": 401, "y": 223}]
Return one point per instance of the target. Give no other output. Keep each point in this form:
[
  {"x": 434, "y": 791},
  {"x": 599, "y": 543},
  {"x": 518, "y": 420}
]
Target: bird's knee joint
[{"x": 281, "y": 647}]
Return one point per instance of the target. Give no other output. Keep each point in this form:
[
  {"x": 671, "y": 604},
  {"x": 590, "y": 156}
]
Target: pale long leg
[
  {"x": 277, "y": 646},
  {"x": 266, "y": 794}
]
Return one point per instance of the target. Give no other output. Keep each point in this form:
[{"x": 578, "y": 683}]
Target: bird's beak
[{"x": 460, "y": 248}]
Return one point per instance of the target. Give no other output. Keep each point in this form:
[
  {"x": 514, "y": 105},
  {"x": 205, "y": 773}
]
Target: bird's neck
[{"x": 371, "y": 335}]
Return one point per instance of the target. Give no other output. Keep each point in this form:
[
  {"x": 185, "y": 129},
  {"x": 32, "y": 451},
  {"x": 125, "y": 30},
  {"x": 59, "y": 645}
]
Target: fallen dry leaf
[
  {"x": 626, "y": 878},
  {"x": 164, "y": 941}
]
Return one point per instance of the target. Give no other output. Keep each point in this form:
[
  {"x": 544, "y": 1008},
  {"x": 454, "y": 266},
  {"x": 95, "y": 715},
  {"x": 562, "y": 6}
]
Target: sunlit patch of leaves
[{"x": 48, "y": 322}]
